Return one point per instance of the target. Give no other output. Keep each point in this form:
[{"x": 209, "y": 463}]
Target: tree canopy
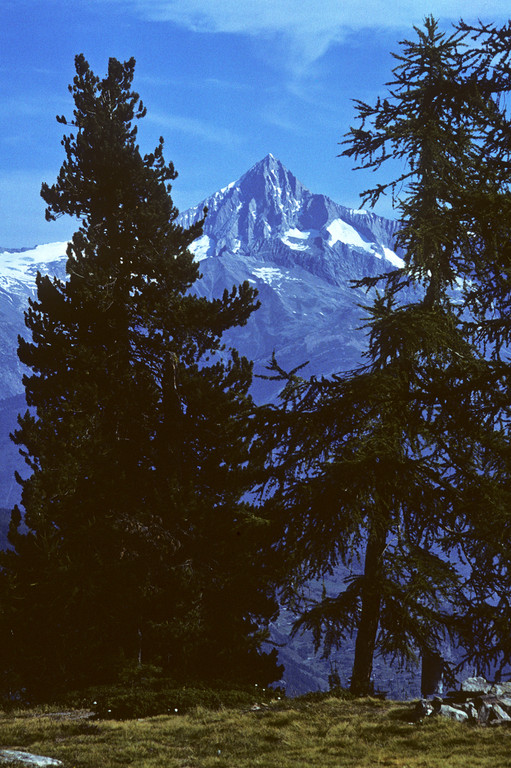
[
  {"x": 395, "y": 469},
  {"x": 137, "y": 545}
]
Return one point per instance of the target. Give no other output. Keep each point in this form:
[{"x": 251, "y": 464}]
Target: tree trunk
[{"x": 370, "y": 615}]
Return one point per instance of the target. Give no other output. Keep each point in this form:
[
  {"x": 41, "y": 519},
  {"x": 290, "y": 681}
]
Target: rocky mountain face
[{"x": 301, "y": 250}]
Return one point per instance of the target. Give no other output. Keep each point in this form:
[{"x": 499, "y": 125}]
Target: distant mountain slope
[{"x": 18, "y": 270}]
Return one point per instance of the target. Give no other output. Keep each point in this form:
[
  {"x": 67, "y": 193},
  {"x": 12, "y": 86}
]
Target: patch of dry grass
[{"x": 287, "y": 734}]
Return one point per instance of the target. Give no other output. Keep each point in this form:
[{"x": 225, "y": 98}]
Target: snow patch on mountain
[
  {"x": 227, "y": 188},
  {"x": 21, "y": 265},
  {"x": 341, "y": 231},
  {"x": 393, "y": 257},
  {"x": 268, "y": 274},
  {"x": 297, "y": 240},
  {"x": 201, "y": 248}
]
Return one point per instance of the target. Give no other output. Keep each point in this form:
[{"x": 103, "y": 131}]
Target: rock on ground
[{"x": 13, "y": 755}]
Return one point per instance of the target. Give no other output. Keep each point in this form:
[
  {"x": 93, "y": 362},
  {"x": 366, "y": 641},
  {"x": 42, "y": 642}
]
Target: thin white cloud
[
  {"x": 26, "y": 106},
  {"x": 277, "y": 119},
  {"x": 224, "y": 85},
  {"x": 179, "y": 82},
  {"x": 308, "y": 29},
  {"x": 194, "y": 127}
]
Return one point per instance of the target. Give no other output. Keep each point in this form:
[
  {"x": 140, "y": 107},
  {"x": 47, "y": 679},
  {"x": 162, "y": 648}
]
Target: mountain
[
  {"x": 18, "y": 270},
  {"x": 301, "y": 250}
]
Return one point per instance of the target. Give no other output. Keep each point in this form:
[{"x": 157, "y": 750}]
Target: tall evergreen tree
[
  {"x": 384, "y": 469},
  {"x": 138, "y": 545},
  {"x": 486, "y": 207}
]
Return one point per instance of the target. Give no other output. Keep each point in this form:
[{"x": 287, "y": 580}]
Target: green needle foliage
[
  {"x": 138, "y": 546},
  {"x": 395, "y": 468},
  {"x": 486, "y": 209}
]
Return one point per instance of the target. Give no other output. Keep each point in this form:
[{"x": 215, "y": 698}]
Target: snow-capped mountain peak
[{"x": 269, "y": 212}]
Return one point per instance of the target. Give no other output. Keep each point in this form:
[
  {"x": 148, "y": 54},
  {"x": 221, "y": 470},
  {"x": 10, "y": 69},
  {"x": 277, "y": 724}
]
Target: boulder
[
  {"x": 27, "y": 758},
  {"x": 471, "y": 704},
  {"x": 453, "y": 713},
  {"x": 498, "y": 715},
  {"x": 501, "y": 689},
  {"x": 505, "y": 703},
  {"x": 476, "y": 685}
]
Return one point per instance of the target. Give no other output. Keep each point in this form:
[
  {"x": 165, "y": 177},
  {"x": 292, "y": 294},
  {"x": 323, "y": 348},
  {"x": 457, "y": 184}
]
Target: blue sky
[{"x": 224, "y": 81}]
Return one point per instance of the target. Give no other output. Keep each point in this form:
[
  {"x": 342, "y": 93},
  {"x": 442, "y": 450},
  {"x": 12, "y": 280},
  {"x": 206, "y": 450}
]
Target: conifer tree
[
  {"x": 385, "y": 469},
  {"x": 138, "y": 546},
  {"x": 486, "y": 207}
]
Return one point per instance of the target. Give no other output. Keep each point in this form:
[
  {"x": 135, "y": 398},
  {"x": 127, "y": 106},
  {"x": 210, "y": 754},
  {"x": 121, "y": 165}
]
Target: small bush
[
  {"x": 316, "y": 696},
  {"x": 149, "y": 696},
  {"x": 122, "y": 704}
]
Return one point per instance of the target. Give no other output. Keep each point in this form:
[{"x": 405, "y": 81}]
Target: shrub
[{"x": 146, "y": 695}]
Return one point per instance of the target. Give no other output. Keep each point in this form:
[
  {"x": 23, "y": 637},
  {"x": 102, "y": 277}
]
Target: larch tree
[
  {"x": 485, "y": 207},
  {"x": 137, "y": 545},
  {"x": 386, "y": 469}
]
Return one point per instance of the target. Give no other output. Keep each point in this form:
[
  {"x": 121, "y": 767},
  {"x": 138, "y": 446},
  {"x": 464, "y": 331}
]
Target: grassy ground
[{"x": 287, "y": 734}]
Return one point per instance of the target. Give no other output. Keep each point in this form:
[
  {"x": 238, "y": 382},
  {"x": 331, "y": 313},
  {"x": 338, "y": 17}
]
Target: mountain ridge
[
  {"x": 300, "y": 249},
  {"x": 271, "y": 205}
]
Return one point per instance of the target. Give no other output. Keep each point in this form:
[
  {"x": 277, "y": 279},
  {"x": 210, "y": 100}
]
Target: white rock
[
  {"x": 499, "y": 714},
  {"x": 505, "y": 701},
  {"x": 501, "y": 689},
  {"x": 12, "y": 755},
  {"x": 476, "y": 685},
  {"x": 452, "y": 713}
]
